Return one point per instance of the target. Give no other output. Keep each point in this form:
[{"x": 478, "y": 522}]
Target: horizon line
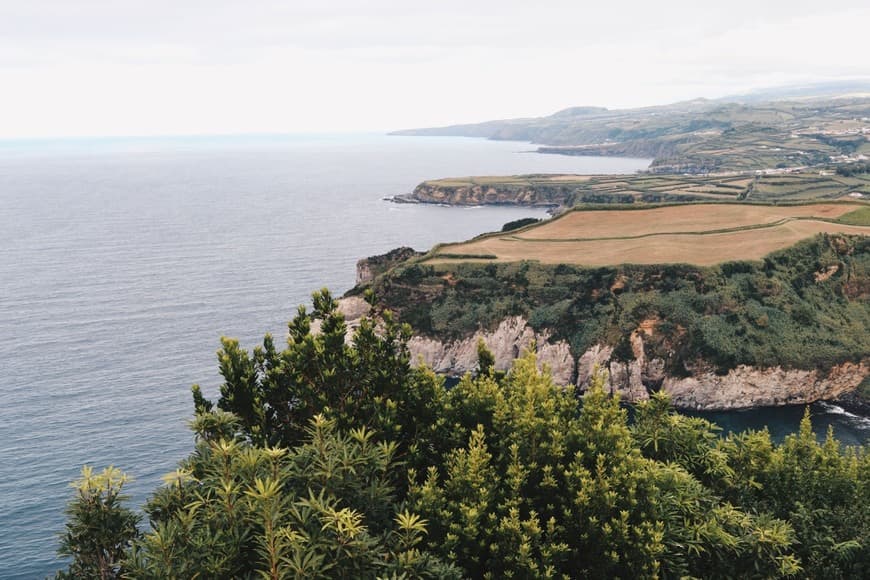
[{"x": 732, "y": 97}]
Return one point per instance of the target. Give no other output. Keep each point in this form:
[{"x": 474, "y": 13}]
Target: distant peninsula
[
  {"x": 850, "y": 181},
  {"x": 765, "y": 131}
]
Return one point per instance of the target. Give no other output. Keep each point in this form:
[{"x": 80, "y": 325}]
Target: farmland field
[
  {"x": 675, "y": 219},
  {"x": 701, "y": 234}
]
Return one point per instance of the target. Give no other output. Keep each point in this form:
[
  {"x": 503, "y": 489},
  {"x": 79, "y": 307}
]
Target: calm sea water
[{"x": 123, "y": 261}]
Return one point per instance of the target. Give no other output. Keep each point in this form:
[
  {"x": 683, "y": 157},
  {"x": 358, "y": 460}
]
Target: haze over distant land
[
  {"x": 95, "y": 67},
  {"x": 771, "y": 130}
]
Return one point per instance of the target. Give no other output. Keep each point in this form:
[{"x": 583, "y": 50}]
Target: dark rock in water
[
  {"x": 401, "y": 198},
  {"x": 854, "y": 402}
]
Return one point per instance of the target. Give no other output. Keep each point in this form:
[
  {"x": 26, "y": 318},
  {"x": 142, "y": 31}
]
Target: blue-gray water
[{"x": 122, "y": 261}]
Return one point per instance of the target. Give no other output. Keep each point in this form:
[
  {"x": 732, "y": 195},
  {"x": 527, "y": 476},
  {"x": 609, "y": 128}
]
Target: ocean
[{"x": 122, "y": 262}]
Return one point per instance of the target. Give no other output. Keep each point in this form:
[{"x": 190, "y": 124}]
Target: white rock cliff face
[
  {"x": 752, "y": 387},
  {"x": 507, "y": 342},
  {"x": 743, "y": 387}
]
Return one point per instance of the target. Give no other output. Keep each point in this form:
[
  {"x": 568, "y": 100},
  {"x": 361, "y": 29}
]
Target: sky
[{"x": 182, "y": 67}]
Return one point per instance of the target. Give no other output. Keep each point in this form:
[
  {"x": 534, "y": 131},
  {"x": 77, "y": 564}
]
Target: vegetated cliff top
[
  {"x": 848, "y": 181},
  {"x": 806, "y": 306},
  {"x": 698, "y": 136}
]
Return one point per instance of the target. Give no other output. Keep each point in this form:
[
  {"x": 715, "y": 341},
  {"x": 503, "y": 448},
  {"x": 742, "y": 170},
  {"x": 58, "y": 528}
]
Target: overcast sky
[{"x": 119, "y": 67}]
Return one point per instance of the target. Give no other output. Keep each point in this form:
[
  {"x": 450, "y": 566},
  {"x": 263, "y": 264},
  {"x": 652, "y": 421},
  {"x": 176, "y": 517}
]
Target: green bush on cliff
[{"x": 520, "y": 223}]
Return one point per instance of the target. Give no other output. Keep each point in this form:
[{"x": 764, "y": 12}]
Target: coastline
[{"x": 553, "y": 209}]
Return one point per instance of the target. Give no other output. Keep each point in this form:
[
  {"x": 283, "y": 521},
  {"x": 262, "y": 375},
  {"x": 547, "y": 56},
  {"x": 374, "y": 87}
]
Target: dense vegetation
[
  {"x": 335, "y": 459},
  {"x": 520, "y": 223},
  {"x": 850, "y": 169},
  {"x": 803, "y": 307}
]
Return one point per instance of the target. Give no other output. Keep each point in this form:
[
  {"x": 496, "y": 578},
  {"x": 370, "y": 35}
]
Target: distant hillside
[
  {"x": 804, "y": 91},
  {"x": 703, "y": 136}
]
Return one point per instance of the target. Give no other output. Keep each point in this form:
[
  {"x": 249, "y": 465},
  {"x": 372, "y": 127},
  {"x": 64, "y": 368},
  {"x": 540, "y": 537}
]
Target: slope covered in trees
[{"x": 330, "y": 459}]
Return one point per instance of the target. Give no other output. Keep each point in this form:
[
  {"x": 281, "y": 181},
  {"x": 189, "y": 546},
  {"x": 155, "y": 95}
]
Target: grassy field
[
  {"x": 858, "y": 217},
  {"x": 674, "y": 219},
  {"x": 699, "y": 234}
]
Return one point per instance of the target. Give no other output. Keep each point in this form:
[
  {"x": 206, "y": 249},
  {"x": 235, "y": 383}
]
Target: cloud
[{"x": 124, "y": 67}]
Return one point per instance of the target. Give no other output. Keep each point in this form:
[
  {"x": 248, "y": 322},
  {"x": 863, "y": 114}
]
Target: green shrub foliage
[
  {"x": 100, "y": 528},
  {"x": 335, "y": 459},
  {"x": 520, "y": 223}
]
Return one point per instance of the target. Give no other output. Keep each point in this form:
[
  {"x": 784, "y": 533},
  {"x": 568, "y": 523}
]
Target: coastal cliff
[
  {"x": 634, "y": 379},
  {"x": 472, "y": 194},
  {"x": 512, "y": 337},
  {"x": 788, "y": 329},
  {"x": 558, "y": 191},
  {"x": 369, "y": 268}
]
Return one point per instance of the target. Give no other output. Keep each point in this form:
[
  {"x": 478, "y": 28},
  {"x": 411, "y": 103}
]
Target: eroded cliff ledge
[
  {"x": 369, "y": 268},
  {"x": 634, "y": 379},
  {"x": 523, "y": 194}
]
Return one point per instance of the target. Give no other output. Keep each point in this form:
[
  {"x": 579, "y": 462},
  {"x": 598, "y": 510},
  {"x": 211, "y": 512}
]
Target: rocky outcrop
[
  {"x": 627, "y": 377},
  {"x": 550, "y": 192},
  {"x": 455, "y": 358},
  {"x": 596, "y": 357},
  {"x": 854, "y": 402},
  {"x": 634, "y": 380},
  {"x": 354, "y": 309},
  {"x": 742, "y": 388},
  {"x": 503, "y": 194},
  {"x": 507, "y": 342},
  {"x": 369, "y": 268},
  {"x": 746, "y": 386}
]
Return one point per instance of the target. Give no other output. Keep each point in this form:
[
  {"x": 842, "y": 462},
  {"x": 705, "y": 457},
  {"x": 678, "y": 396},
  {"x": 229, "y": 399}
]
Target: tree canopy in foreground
[{"x": 335, "y": 459}]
